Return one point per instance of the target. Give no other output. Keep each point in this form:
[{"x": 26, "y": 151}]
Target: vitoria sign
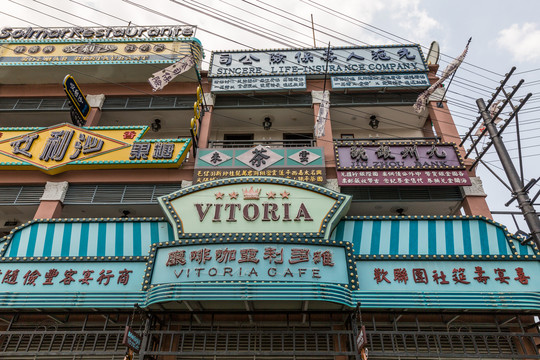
[{"x": 258, "y": 204}]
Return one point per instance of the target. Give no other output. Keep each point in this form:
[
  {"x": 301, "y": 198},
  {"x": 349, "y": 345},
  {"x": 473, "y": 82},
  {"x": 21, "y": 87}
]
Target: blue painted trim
[
  {"x": 484, "y": 241},
  {"x": 66, "y": 240},
  {"x": 357, "y": 235},
  {"x": 83, "y": 247},
  {"x": 432, "y": 238},
  {"x": 375, "y": 236},
  {"x": 14, "y": 246},
  {"x": 394, "y": 237},
  {"x": 413, "y": 237},
  {"x": 119, "y": 240},
  {"x": 32, "y": 241},
  {"x": 137, "y": 251},
  {"x": 102, "y": 239},
  {"x": 449, "y": 235}
]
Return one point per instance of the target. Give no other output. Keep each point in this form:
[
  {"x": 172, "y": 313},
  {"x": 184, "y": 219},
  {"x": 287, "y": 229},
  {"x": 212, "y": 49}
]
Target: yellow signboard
[
  {"x": 82, "y": 53},
  {"x": 66, "y": 147}
]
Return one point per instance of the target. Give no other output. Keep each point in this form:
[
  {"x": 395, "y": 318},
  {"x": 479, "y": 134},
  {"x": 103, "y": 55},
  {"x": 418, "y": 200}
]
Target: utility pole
[{"x": 520, "y": 193}]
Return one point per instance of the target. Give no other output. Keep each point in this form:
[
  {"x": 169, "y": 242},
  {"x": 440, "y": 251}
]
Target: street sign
[
  {"x": 361, "y": 339},
  {"x": 76, "y": 96},
  {"x": 132, "y": 340}
]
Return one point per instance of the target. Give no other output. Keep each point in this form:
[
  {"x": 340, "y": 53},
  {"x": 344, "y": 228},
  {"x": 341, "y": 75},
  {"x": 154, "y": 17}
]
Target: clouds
[
  {"x": 413, "y": 20},
  {"x": 522, "y": 41}
]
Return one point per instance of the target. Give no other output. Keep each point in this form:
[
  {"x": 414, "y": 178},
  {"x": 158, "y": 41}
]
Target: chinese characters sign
[
  {"x": 403, "y": 178},
  {"x": 380, "y": 81},
  {"x": 439, "y": 276},
  {"x": 85, "y": 53},
  {"x": 399, "y": 164},
  {"x": 76, "y": 96},
  {"x": 259, "y": 83},
  {"x": 67, "y": 147},
  {"x": 71, "y": 276},
  {"x": 251, "y": 262},
  {"x": 382, "y": 59},
  {"x": 304, "y": 164}
]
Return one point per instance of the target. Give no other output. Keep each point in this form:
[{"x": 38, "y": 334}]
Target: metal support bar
[
  {"x": 505, "y": 102},
  {"x": 506, "y": 123},
  {"x": 513, "y": 177},
  {"x": 503, "y": 83}
]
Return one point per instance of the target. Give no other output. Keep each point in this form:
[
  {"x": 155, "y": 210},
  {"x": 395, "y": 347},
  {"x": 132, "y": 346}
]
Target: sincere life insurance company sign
[{"x": 382, "y": 59}]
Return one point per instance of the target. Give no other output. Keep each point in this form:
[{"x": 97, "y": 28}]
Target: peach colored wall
[{"x": 49, "y": 209}]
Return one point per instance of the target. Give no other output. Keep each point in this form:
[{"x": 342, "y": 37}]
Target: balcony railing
[{"x": 268, "y": 143}]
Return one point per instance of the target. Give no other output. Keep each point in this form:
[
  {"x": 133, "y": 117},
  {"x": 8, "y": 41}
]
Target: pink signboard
[
  {"x": 399, "y": 164},
  {"x": 403, "y": 178}
]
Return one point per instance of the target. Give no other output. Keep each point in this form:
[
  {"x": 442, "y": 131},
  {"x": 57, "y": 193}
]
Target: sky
[{"x": 503, "y": 35}]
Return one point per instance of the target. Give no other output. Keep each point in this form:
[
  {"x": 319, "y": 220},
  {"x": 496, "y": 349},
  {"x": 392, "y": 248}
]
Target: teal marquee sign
[{"x": 423, "y": 262}]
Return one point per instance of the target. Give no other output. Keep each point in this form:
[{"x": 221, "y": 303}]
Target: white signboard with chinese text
[
  {"x": 259, "y": 83},
  {"x": 318, "y": 61},
  {"x": 380, "y": 81}
]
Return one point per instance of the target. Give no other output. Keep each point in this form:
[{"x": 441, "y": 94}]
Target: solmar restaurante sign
[{"x": 85, "y": 33}]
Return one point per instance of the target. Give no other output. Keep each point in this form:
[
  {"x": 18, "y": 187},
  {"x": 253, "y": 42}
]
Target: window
[
  {"x": 297, "y": 139},
  {"x": 238, "y": 140}
]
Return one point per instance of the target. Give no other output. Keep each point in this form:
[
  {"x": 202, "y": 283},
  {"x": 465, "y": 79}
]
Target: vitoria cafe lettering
[
  {"x": 30, "y": 33},
  {"x": 254, "y": 261},
  {"x": 267, "y": 211}
]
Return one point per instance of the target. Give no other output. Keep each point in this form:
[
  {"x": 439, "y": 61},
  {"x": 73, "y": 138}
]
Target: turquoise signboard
[
  {"x": 448, "y": 276},
  {"x": 251, "y": 262},
  {"x": 72, "y": 277}
]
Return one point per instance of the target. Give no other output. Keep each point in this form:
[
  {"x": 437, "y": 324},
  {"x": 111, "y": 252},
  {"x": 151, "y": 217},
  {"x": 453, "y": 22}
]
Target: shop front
[{"x": 267, "y": 268}]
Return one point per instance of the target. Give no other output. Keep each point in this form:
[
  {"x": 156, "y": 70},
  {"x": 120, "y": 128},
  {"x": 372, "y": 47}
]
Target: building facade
[{"x": 283, "y": 204}]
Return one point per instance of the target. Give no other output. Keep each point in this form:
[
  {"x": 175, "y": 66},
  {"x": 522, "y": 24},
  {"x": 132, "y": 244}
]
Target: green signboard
[{"x": 255, "y": 205}]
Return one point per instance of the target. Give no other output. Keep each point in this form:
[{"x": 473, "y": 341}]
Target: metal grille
[
  {"x": 117, "y": 194},
  {"x": 21, "y": 195},
  {"x": 301, "y": 343},
  {"x": 264, "y": 336},
  {"x": 453, "y": 338},
  {"x": 57, "y": 336},
  {"x": 111, "y": 103}
]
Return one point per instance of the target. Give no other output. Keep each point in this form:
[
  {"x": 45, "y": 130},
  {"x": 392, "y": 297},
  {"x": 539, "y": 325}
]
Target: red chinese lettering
[
  {"x": 86, "y": 277},
  {"x": 129, "y": 134},
  {"x": 248, "y": 255},
  {"x": 325, "y": 256},
  {"x": 458, "y": 275},
  {"x": 299, "y": 255},
  {"x": 501, "y": 278},
  {"x": 481, "y": 278},
  {"x": 400, "y": 275},
  {"x": 68, "y": 276},
  {"x": 123, "y": 276},
  {"x": 441, "y": 278},
  {"x": 105, "y": 276},
  {"x": 380, "y": 275},
  {"x": 49, "y": 276},
  {"x": 521, "y": 276},
  {"x": 200, "y": 256},
  {"x": 10, "y": 277},
  {"x": 176, "y": 257},
  {"x": 272, "y": 255},
  {"x": 30, "y": 277},
  {"x": 225, "y": 255},
  {"x": 420, "y": 276}
]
